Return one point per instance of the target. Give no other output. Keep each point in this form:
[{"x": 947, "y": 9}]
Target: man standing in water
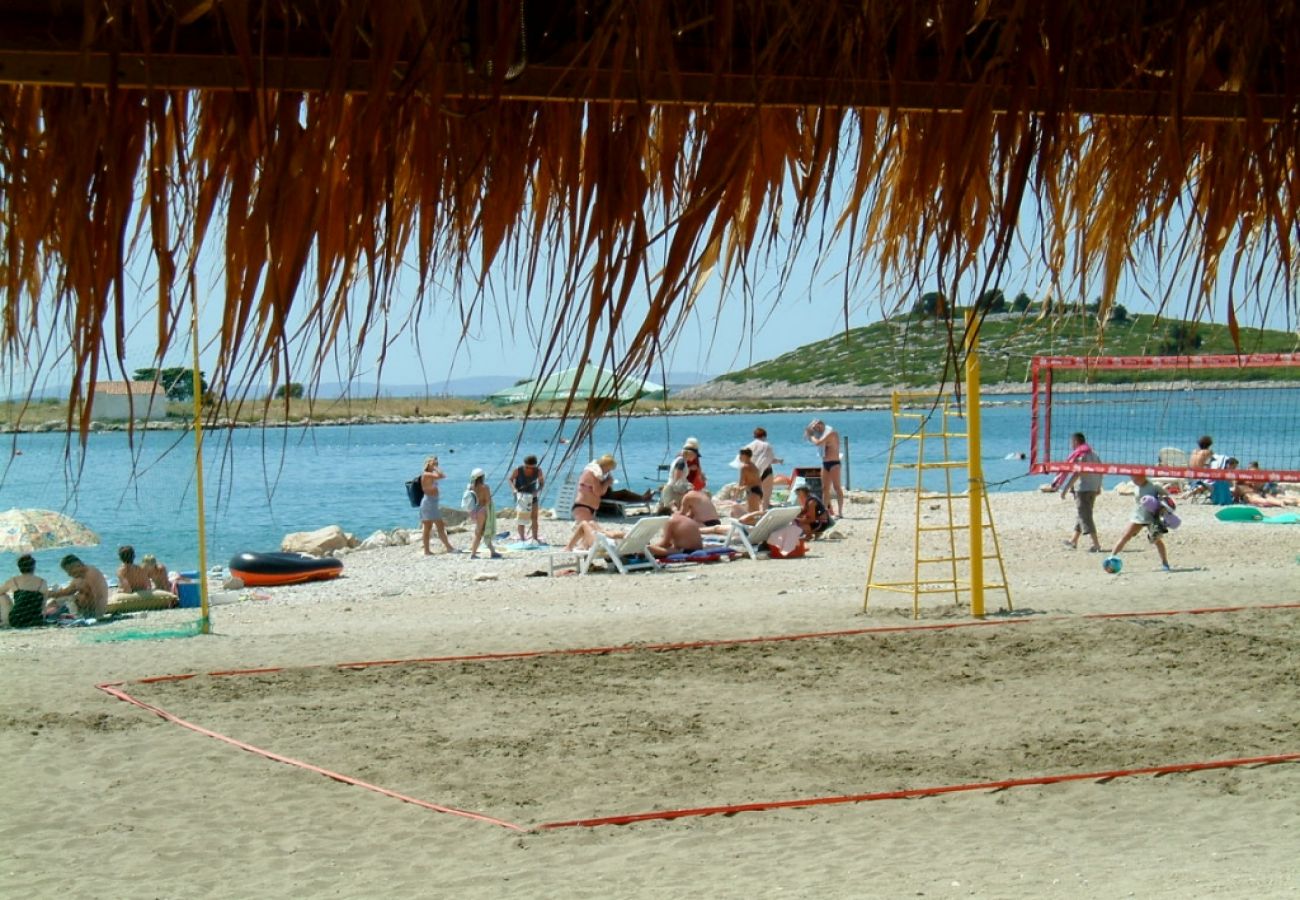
[{"x": 828, "y": 439}]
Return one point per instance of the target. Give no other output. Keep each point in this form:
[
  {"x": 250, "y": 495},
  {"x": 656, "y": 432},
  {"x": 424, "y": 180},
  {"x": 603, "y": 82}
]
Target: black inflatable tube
[{"x": 282, "y": 568}]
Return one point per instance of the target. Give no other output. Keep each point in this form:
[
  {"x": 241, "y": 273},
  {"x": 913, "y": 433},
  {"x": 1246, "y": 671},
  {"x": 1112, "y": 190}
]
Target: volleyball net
[{"x": 1148, "y": 414}]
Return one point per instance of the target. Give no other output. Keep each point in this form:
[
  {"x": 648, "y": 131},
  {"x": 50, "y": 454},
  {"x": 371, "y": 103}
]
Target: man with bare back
[
  {"x": 681, "y": 535},
  {"x": 699, "y": 507}
]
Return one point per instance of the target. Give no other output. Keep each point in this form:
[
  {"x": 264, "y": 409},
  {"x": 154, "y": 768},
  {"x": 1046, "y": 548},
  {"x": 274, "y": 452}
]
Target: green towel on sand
[
  {"x": 1239, "y": 514},
  {"x": 1252, "y": 514}
]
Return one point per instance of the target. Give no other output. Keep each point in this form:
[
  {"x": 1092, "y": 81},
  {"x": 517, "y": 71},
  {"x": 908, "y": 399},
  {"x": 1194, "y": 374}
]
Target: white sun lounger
[
  {"x": 754, "y": 536},
  {"x": 564, "y": 499},
  {"x": 622, "y": 552}
]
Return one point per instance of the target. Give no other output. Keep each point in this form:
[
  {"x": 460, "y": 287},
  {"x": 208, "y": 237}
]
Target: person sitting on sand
[
  {"x": 135, "y": 589},
  {"x": 23, "y": 597},
  {"x": 684, "y": 475},
  {"x": 1144, "y": 518},
  {"x": 528, "y": 481},
  {"x": 88, "y": 588},
  {"x": 1267, "y": 488},
  {"x": 584, "y": 535},
  {"x": 699, "y": 506},
  {"x": 478, "y": 503},
  {"x": 694, "y": 468},
  {"x": 1253, "y": 494},
  {"x": 681, "y": 535},
  {"x": 814, "y": 518},
  {"x": 157, "y": 573},
  {"x": 750, "y": 480},
  {"x": 595, "y": 479},
  {"x": 430, "y": 510}
]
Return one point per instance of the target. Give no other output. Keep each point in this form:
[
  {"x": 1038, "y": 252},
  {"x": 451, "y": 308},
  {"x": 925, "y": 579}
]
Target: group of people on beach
[
  {"x": 693, "y": 511},
  {"x": 1252, "y": 490},
  {"x": 1153, "y": 514},
  {"x": 528, "y": 480},
  {"x": 27, "y": 599},
  {"x": 684, "y": 497},
  {"x": 1155, "y": 506}
]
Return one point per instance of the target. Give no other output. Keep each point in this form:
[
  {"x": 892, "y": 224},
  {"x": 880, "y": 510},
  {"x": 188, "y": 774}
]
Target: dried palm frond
[{"x": 617, "y": 156}]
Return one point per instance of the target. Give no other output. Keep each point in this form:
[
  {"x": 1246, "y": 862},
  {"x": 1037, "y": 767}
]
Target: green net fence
[{"x": 199, "y": 626}]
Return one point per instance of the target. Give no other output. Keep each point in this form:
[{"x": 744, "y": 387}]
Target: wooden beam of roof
[{"x": 541, "y": 83}]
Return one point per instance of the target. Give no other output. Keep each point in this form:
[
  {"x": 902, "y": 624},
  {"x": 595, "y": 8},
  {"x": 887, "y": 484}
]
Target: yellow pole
[
  {"x": 205, "y": 625},
  {"x": 974, "y": 469}
]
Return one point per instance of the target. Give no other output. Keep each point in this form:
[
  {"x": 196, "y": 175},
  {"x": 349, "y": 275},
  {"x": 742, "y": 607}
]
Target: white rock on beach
[{"x": 320, "y": 542}]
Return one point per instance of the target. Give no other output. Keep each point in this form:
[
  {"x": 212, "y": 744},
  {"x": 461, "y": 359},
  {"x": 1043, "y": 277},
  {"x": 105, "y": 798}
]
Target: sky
[{"x": 725, "y": 332}]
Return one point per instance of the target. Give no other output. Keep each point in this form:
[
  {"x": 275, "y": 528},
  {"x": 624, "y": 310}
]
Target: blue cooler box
[{"x": 188, "y": 592}]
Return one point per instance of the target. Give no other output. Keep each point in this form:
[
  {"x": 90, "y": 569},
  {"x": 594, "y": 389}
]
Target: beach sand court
[
  {"x": 105, "y": 799},
  {"x": 575, "y": 736}
]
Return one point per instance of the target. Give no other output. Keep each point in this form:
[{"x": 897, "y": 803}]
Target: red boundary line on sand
[
  {"x": 113, "y": 689},
  {"x": 908, "y": 793}
]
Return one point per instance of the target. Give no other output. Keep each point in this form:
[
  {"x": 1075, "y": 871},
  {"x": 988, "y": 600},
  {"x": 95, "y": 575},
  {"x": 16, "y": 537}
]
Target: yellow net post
[
  {"x": 974, "y": 469},
  {"x": 205, "y": 624}
]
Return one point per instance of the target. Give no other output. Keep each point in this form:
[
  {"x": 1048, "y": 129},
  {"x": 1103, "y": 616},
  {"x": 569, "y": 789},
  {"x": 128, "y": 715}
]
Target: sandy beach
[{"x": 108, "y": 800}]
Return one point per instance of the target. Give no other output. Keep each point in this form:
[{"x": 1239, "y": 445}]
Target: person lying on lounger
[
  {"x": 681, "y": 535},
  {"x": 584, "y": 535}
]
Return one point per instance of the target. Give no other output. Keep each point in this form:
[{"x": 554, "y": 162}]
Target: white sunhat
[
  {"x": 477, "y": 474},
  {"x": 691, "y": 444}
]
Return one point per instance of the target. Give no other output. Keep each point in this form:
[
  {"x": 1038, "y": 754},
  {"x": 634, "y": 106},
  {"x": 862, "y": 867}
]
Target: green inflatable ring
[{"x": 1239, "y": 514}]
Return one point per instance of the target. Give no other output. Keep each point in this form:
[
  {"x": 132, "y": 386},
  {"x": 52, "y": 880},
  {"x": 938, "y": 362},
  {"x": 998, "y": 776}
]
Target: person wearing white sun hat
[{"x": 477, "y": 501}]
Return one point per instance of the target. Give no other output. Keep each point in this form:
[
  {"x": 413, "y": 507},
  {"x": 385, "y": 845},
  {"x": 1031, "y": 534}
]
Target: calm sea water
[{"x": 261, "y": 484}]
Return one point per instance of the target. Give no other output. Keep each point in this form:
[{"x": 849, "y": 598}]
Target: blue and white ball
[{"x": 1112, "y": 564}]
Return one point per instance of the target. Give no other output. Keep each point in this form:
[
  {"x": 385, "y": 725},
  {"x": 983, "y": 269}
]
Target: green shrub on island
[{"x": 913, "y": 351}]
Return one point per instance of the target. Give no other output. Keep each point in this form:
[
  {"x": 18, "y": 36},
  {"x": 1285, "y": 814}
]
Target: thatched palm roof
[{"x": 316, "y": 143}]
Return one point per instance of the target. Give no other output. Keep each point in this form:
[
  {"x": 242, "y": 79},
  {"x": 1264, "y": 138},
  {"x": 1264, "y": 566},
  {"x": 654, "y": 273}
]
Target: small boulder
[
  {"x": 398, "y": 537},
  {"x": 377, "y": 540},
  {"x": 452, "y": 515},
  {"x": 321, "y": 542},
  {"x": 732, "y": 491}
]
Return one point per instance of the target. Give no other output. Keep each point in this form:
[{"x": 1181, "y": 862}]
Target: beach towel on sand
[
  {"x": 706, "y": 555},
  {"x": 1239, "y": 514},
  {"x": 1253, "y": 514}
]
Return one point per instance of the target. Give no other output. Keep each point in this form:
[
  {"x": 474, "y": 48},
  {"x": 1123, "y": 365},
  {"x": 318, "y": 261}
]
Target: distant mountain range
[{"x": 477, "y": 387}]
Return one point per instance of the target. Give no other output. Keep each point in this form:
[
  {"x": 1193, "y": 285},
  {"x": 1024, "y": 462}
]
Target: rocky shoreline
[{"x": 767, "y": 397}]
